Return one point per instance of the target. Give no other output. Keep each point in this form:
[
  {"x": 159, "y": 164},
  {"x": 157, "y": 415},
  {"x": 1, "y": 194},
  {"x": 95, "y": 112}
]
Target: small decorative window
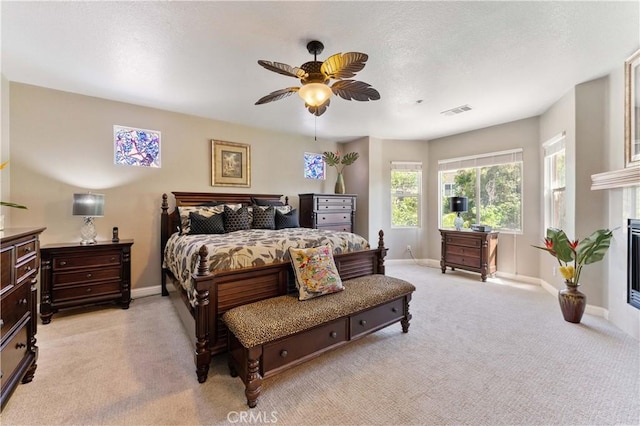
[{"x": 136, "y": 147}]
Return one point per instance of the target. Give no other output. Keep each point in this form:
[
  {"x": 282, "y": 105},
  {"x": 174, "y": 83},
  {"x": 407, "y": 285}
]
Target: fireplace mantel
[{"x": 629, "y": 176}]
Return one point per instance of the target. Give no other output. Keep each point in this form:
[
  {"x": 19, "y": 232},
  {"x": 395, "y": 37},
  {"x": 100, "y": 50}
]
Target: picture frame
[
  {"x": 632, "y": 110},
  {"x": 136, "y": 147},
  {"x": 314, "y": 166},
  {"x": 230, "y": 164}
]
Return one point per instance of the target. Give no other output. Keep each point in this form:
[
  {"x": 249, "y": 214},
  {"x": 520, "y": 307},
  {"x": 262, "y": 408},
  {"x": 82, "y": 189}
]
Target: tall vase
[
  {"x": 339, "y": 189},
  {"x": 572, "y": 303}
]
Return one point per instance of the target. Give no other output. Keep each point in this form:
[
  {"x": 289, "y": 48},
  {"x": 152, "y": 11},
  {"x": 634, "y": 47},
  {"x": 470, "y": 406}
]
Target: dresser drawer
[
  {"x": 293, "y": 348},
  {"x": 464, "y": 251},
  {"x": 86, "y": 276},
  {"x": 6, "y": 267},
  {"x": 471, "y": 261},
  {"x": 14, "y": 307},
  {"x": 334, "y": 203},
  {"x": 343, "y": 228},
  {"x": 333, "y": 218},
  {"x": 105, "y": 258},
  {"x": 86, "y": 291},
  {"x": 462, "y": 241},
  {"x": 13, "y": 353},
  {"x": 26, "y": 250},
  {"x": 26, "y": 269},
  {"x": 377, "y": 317}
]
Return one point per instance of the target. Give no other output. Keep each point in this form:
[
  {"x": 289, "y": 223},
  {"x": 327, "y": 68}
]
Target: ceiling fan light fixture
[{"x": 315, "y": 94}]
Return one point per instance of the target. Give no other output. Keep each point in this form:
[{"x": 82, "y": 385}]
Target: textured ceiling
[{"x": 507, "y": 60}]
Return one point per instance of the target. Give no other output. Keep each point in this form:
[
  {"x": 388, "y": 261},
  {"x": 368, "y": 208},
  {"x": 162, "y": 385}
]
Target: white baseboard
[{"x": 136, "y": 293}]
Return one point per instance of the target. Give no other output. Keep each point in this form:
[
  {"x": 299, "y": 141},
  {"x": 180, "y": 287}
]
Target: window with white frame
[
  {"x": 555, "y": 182},
  {"x": 406, "y": 192},
  {"x": 491, "y": 182}
]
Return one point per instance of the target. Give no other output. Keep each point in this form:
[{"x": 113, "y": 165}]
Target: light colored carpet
[{"x": 476, "y": 353}]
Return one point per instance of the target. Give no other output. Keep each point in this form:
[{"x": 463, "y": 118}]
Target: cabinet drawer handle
[
  {"x": 363, "y": 322},
  {"x": 27, "y": 249},
  {"x": 89, "y": 275},
  {"x": 284, "y": 353},
  {"x": 394, "y": 309},
  {"x": 20, "y": 345},
  {"x": 333, "y": 334},
  {"x": 63, "y": 263},
  {"x": 113, "y": 259},
  {"x": 22, "y": 302},
  {"x": 89, "y": 290},
  {"x": 27, "y": 268},
  {"x": 1, "y": 322}
]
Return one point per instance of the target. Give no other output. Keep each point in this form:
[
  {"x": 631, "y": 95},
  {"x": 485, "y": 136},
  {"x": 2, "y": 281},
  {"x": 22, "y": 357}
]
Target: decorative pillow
[
  {"x": 199, "y": 224},
  {"x": 316, "y": 272},
  {"x": 264, "y": 202},
  {"x": 236, "y": 220},
  {"x": 206, "y": 210},
  {"x": 287, "y": 220},
  {"x": 263, "y": 218}
]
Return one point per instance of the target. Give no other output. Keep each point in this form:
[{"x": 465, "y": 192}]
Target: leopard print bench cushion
[{"x": 270, "y": 319}]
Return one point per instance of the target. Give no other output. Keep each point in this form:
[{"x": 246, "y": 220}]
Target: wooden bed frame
[{"x": 219, "y": 291}]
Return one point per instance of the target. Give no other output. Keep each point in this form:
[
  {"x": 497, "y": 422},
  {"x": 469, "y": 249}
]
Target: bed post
[
  {"x": 383, "y": 252},
  {"x": 164, "y": 225},
  {"x": 203, "y": 352}
]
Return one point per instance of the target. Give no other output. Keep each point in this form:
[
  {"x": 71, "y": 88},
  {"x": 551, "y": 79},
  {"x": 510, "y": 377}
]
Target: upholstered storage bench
[{"x": 272, "y": 335}]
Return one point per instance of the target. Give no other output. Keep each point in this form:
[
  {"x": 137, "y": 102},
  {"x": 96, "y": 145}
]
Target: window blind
[
  {"x": 554, "y": 145},
  {"x": 406, "y": 165},
  {"x": 482, "y": 160}
]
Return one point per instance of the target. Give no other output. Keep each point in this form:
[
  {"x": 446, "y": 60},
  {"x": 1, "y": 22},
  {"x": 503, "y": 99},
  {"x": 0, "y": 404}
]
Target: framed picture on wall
[
  {"x": 632, "y": 110},
  {"x": 230, "y": 164},
  {"x": 314, "y": 166},
  {"x": 136, "y": 147}
]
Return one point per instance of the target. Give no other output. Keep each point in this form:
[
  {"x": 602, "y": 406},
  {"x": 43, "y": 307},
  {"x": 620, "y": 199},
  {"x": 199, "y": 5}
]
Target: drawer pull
[
  {"x": 63, "y": 263},
  {"x": 394, "y": 309},
  {"x": 22, "y": 302},
  {"x": 20, "y": 345},
  {"x": 1, "y": 322},
  {"x": 89, "y": 275},
  {"x": 113, "y": 259},
  {"x": 28, "y": 268},
  {"x": 27, "y": 249},
  {"x": 333, "y": 334},
  {"x": 284, "y": 353},
  {"x": 363, "y": 322},
  {"x": 89, "y": 290}
]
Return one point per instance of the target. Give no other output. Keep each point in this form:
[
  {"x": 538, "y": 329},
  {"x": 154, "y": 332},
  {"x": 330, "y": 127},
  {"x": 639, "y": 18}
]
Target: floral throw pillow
[{"x": 316, "y": 272}]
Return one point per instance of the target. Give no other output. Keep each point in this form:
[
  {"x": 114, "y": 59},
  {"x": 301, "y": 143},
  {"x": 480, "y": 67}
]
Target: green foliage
[
  {"x": 405, "y": 187},
  {"x": 333, "y": 159}
]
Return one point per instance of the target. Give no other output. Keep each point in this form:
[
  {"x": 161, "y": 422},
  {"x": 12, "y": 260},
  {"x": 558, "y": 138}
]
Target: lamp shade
[
  {"x": 88, "y": 205},
  {"x": 315, "y": 94},
  {"x": 458, "y": 204}
]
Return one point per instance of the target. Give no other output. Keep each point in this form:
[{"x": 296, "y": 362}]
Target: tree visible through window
[
  {"x": 554, "y": 183},
  {"x": 406, "y": 188},
  {"x": 493, "y": 187}
]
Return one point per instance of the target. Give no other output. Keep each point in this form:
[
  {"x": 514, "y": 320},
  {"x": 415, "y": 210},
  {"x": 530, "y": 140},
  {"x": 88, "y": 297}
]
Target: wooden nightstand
[
  {"x": 470, "y": 250},
  {"x": 76, "y": 275}
]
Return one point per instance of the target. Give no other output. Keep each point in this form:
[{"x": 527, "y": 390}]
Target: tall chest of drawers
[
  {"x": 328, "y": 211},
  {"x": 76, "y": 275},
  {"x": 19, "y": 261},
  {"x": 469, "y": 250}
]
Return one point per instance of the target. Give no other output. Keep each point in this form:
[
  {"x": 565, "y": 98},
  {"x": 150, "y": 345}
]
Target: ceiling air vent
[{"x": 457, "y": 110}]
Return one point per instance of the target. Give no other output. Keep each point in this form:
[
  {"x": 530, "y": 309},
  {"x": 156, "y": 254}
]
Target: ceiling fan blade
[
  {"x": 277, "y": 95},
  {"x": 341, "y": 66},
  {"x": 356, "y": 90},
  {"x": 283, "y": 69},
  {"x": 318, "y": 110}
]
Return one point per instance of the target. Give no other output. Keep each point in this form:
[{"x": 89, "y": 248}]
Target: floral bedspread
[{"x": 255, "y": 247}]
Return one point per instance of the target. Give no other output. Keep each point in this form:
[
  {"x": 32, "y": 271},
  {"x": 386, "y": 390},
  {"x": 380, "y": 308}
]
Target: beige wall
[
  {"x": 62, "y": 143},
  {"x": 515, "y": 254}
]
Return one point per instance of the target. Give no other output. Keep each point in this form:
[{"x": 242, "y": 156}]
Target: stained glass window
[
  {"x": 136, "y": 147},
  {"x": 314, "y": 166}
]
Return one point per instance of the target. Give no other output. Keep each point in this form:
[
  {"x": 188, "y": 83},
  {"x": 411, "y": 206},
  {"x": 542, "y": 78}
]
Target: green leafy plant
[
  {"x": 573, "y": 255},
  {"x": 333, "y": 159},
  {"x": 14, "y": 205}
]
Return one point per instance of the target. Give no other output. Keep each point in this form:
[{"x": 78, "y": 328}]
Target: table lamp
[
  {"x": 88, "y": 205},
  {"x": 458, "y": 205}
]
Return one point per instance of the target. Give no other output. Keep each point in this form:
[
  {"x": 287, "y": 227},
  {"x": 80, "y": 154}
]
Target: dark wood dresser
[
  {"x": 469, "y": 250},
  {"x": 328, "y": 211},
  {"x": 76, "y": 275},
  {"x": 19, "y": 261}
]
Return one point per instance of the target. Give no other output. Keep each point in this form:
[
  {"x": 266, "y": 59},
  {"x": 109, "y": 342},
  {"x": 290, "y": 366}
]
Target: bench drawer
[
  {"x": 312, "y": 342},
  {"x": 376, "y": 318}
]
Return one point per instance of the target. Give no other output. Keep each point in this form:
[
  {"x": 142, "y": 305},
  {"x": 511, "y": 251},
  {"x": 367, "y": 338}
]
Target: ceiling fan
[{"x": 315, "y": 77}]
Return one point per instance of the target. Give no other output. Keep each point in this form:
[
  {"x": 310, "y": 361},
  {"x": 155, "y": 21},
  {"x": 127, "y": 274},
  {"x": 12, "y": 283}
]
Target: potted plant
[
  {"x": 572, "y": 256},
  {"x": 333, "y": 159}
]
